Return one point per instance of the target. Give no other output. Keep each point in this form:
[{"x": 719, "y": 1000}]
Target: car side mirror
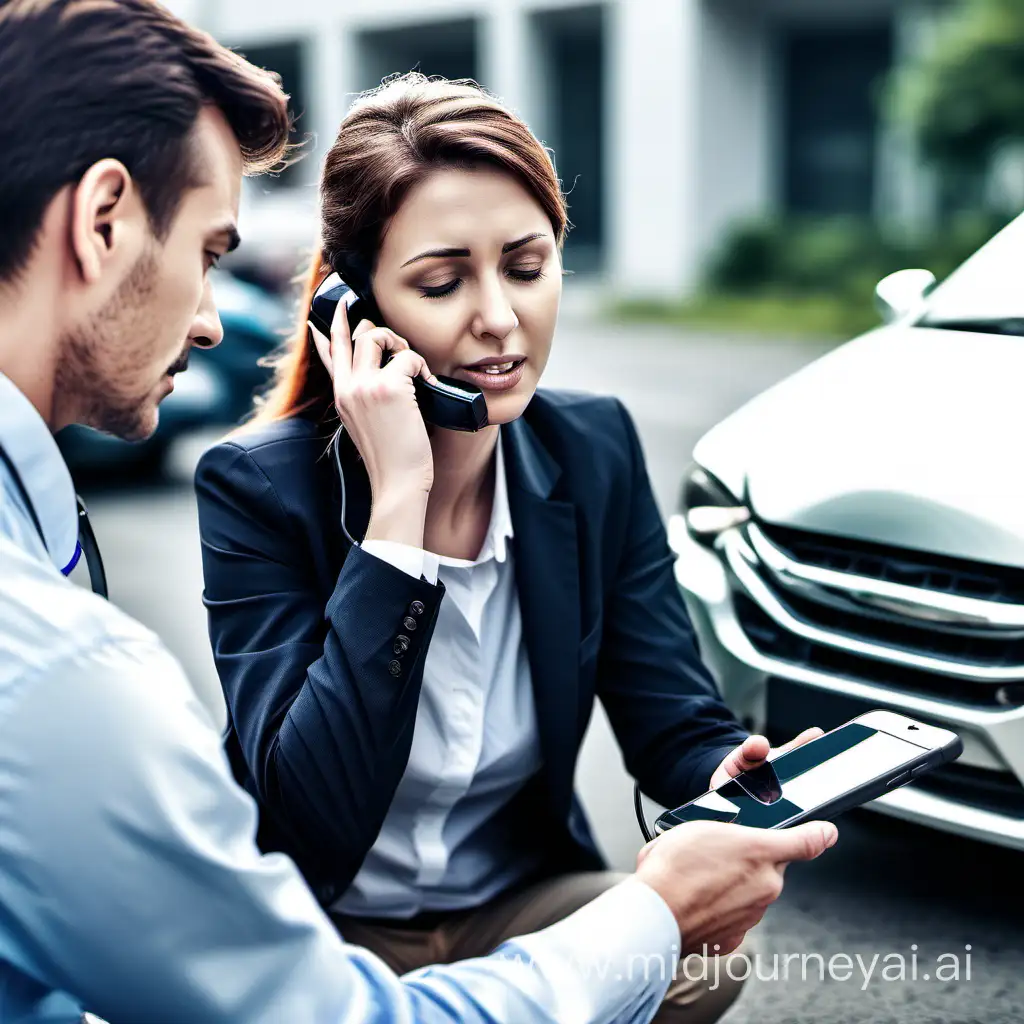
[{"x": 899, "y": 293}]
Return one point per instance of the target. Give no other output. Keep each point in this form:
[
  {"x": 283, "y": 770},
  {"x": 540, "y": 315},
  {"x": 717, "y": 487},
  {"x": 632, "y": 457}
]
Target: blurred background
[{"x": 740, "y": 174}]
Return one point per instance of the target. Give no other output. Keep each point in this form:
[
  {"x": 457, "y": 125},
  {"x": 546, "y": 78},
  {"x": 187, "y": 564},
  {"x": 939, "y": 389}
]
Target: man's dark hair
[{"x": 83, "y": 80}]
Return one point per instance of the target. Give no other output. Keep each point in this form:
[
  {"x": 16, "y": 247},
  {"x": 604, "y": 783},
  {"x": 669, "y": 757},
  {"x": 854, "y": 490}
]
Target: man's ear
[{"x": 107, "y": 219}]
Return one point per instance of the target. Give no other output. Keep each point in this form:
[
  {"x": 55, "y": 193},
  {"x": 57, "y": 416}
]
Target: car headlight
[{"x": 708, "y": 506}]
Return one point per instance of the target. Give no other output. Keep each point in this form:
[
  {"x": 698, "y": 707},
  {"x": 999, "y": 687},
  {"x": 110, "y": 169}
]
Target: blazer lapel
[{"x": 547, "y": 578}]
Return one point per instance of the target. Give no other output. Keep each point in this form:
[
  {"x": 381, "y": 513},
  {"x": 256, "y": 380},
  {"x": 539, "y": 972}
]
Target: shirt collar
[{"x": 30, "y": 446}]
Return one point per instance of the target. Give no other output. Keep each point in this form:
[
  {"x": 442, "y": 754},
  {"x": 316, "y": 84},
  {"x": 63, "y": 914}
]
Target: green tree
[{"x": 964, "y": 98}]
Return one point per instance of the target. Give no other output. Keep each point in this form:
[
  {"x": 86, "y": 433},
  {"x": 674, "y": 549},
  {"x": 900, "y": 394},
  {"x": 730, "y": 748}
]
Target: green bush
[
  {"x": 807, "y": 278},
  {"x": 767, "y": 313},
  {"x": 839, "y": 256},
  {"x": 963, "y": 96}
]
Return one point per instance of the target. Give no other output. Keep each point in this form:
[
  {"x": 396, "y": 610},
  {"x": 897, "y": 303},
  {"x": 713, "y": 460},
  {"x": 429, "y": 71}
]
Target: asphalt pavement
[{"x": 889, "y": 894}]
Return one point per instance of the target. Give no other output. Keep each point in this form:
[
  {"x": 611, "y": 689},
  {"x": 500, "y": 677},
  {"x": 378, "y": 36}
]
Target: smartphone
[
  {"x": 450, "y": 403},
  {"x": 867, "y": 757}
]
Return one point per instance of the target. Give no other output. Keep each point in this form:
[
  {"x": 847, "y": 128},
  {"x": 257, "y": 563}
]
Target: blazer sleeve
[
  {"x": 322, "y": 700},
  {"x": 664, "y": 707}
]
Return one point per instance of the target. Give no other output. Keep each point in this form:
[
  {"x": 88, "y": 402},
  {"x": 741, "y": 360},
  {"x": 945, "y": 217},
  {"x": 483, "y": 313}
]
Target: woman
[{"x": 408, "y": 710}]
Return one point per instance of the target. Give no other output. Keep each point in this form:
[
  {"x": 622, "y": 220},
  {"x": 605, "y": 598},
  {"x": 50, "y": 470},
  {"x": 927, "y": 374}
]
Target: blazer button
[
  {"x": 401, "y": 644},
  {"x": 417, "y": 608},
  {"x": 395, "y": 668},
  {"x": 409, "y": 623}
]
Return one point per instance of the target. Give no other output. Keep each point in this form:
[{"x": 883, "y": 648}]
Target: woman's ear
[{"x": 108, "y": 220}]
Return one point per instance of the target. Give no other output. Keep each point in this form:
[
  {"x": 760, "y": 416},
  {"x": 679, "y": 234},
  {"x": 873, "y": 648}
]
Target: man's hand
[
  {"x": 718, "y": 880},
  {"x": 754, "y": 751}
]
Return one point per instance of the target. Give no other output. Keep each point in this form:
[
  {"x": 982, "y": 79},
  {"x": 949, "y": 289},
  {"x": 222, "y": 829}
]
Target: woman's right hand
[{"x": 377, "y": 405}]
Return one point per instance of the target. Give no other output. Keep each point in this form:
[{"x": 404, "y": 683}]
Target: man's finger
[
  {"x": 727, "y": 944},
  {"x": 803, "y": 842},
  {"x": 645, "y": 850}
]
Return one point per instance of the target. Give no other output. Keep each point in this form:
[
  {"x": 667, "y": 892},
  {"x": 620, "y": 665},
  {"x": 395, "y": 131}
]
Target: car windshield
[{"x": 985, "y": 293}]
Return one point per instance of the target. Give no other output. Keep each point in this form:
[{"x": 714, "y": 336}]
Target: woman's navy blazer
[{"x": 321, "y": 708}]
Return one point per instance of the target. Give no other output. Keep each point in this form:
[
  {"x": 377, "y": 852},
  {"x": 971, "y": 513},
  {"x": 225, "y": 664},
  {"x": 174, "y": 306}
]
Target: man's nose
[{"x": 207, "y": 330}]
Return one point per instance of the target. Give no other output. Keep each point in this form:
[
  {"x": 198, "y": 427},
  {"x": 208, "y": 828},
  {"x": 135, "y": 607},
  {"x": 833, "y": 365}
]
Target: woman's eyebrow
[
  {"x": 433, "y": 254},
  {"x": 520, "y": 242}
]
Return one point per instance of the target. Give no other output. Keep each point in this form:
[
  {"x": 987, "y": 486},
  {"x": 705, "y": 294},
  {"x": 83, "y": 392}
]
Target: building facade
[{"x": 670, "y": 120}]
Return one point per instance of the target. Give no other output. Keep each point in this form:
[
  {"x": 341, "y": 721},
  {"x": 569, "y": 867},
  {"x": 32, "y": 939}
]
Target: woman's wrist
[{"x": 399, "y": 515}]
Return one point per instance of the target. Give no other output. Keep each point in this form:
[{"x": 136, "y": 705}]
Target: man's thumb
[{"x": 805, "y": 842}]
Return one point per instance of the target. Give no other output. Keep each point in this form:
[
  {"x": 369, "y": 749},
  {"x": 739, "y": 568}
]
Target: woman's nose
[{"x": 495, "y": 318}]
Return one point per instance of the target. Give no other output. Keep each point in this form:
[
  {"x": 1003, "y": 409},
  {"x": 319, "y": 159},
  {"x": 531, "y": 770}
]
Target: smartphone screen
[{"x": 802, "y": 779}]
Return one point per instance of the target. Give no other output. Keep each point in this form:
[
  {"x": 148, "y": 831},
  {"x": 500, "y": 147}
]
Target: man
[{"x": 130, "y": 883}]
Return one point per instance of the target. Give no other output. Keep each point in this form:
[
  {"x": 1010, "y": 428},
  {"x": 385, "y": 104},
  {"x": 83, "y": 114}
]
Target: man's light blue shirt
[{"x": 130, "y": 882}]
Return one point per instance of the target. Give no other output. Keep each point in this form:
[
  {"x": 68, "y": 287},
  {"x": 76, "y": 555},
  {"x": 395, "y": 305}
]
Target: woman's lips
[{"x": 503, "y": 381}]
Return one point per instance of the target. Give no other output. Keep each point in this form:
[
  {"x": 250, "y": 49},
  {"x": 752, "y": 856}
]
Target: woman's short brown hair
[
  {"x": 391, "y": 139},
  {"x": 89, "y": 79}
]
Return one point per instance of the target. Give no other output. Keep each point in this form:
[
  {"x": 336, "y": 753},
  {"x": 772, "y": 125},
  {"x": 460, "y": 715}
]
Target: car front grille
[
  {"x": 935, "y": 573},
  {"x": 906, "y": 620},
  {"x": 791, "y": 708},
  {"x": 772, "y": 640},
  {"x": 998, "y": 792}
]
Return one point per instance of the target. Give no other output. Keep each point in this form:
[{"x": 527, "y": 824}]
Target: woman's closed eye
[{"x": 522, "y": 273}]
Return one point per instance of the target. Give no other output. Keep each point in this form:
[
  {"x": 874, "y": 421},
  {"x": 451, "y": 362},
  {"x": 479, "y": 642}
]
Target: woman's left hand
[{"x": 754, "y": 751}]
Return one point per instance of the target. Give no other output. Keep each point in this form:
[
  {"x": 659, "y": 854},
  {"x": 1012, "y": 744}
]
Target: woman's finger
[
  {"x": 370, "y": 346},
  {"x": 323, "y": 348},
  {"x": 751, "y": 752},
  {"x": 341, "y": 346},
  {"x": 798, "y": 741},
  {"x": 409, "y": 364}
]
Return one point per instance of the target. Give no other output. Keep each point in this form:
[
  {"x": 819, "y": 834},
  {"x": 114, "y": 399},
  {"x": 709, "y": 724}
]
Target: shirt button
[
  {"x": 409, "y": 623},
  {"x": 395, "y": 668},
  {"x": 417, "y": 608},
  {"x": 401, "y": 644}
]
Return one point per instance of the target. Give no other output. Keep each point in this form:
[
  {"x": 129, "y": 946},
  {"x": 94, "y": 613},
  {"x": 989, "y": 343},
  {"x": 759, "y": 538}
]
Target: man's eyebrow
[{"x": 451, "y": 253}]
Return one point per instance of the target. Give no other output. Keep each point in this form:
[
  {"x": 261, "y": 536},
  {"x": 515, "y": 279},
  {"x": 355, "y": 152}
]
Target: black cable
[{"x": 641, "y": 819}]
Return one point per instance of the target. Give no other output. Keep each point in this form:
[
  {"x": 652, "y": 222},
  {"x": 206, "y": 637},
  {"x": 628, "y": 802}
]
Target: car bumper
[{"x": 993, "y": 758}]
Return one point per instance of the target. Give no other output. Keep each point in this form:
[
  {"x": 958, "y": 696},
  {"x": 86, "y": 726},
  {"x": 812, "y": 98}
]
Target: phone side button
[
  {"x": 898, "y": 780},
  {"x": 920, "y": 770}
]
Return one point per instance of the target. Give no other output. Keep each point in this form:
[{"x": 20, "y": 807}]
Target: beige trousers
[{"x": 474, "y": 933}]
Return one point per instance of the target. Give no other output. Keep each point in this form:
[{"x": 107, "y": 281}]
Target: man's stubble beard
[{"x": 98, "y": 365}]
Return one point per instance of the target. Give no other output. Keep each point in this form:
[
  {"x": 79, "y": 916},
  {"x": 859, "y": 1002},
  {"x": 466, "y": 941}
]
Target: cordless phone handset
[{"x": 450, "y": 403}]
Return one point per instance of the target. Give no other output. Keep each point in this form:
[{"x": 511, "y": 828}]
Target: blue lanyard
[{"x": 86, "y": 538}]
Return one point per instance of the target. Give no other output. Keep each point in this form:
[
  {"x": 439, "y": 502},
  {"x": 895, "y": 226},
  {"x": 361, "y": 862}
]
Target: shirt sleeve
[
  {"x": 415, "y": 561},
  {"x": 130, "y": 878}
]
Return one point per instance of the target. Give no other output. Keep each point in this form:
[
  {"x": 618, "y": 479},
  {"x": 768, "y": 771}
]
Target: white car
[{"x": 853, "y": 538}]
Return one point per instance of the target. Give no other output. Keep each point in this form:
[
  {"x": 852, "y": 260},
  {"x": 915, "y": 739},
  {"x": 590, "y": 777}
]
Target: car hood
[{"x": 906, "y": 436}]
